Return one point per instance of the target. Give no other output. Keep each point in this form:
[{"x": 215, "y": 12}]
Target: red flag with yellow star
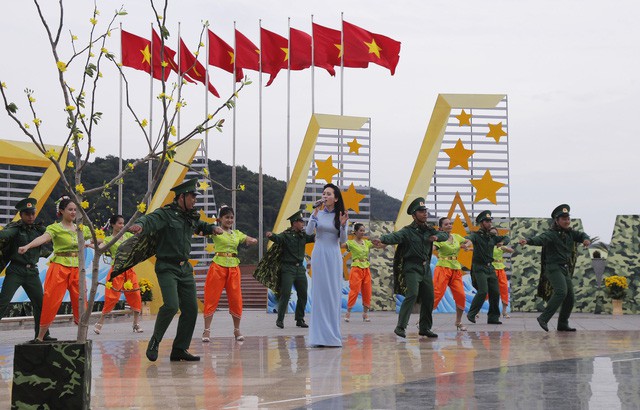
[
  {"x": 361, "y": 45},
  {"x": 300, "y": 52},
  {"x": 190, "y": 66},
  {"x": 221, "y": 55},
  {"x": 327, "y": 49},
  {"x": 275, "y": 53},
  {"x": 136, "y": 53},
  {"x": 247, "y": 54}
]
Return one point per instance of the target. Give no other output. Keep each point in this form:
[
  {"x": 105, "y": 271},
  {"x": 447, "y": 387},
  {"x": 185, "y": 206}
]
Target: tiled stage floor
[{"x": 514, "y": 365}]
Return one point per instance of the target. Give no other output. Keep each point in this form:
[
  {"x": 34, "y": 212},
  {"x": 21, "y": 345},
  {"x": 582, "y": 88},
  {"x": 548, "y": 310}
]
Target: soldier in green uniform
[
  {"x": 559, "y": 245},
  {"x": 411, "y": 267},
  {"x": 292, "y": 272},
  {"x": 23, "y": 269},
  {"x": 174, "y": 225},
  {"x": 482, "y": 271}
]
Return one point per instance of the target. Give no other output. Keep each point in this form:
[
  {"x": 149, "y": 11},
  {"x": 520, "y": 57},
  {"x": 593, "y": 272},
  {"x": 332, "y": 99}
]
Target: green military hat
[
  {"x": 27, "y": 204},
  {"x": 483, "y": 216},
  {"x": 190, "y": 186},
  {"x": 416, "y": 205},
  {"x": 561, "y": 210},
  {"x": 296, "y": 217}
]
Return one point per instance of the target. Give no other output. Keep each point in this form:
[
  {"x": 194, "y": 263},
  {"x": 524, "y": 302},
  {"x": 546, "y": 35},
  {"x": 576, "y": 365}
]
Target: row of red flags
[{"x": 361, "y": 47}]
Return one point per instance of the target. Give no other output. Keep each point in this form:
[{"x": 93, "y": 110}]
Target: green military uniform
[
  {"x": 292, "y": 271},
  {"x": 412, "y": 270},
  {"x": 174, "y": 229},
  {"x": 559, "y": 248},
  {"x": 483, "y": 273},
  {"x": 23, "y": 269}
]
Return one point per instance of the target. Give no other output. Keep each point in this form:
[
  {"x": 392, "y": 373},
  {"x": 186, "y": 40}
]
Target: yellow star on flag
[
  {"x": 459, "y": 155},
  {"x": 352, "y": 198},
  {"x": 354, "y": 146},
  {"x": 464, "y": 119},
  {"x": 486, "y": 187},
  {"x": 286, "y": 53},
  {"x": 495, "y": 131},
  {"x": 146, "y": 55},
  {"x": 373, "y": 47},
  {"x": 326, "y": 170},
  {"x": 339, "y": 47},
  {"x": 233, "y": 57}
]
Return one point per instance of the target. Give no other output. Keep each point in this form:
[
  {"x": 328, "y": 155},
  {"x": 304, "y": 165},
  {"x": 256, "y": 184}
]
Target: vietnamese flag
[
  {"x": 168, "y": 56},
  {"x": 136, "y": 53},
  {"x": 327, "y": 49},
  {"x": 247, "y": 54},
  {"x": 221, "y": 55},
  {"x": 361, "y": 45},
  {"x": 275, "y": 53},
  {"x": 300, "y": 52},
  {"x": 190, "y": 66}
]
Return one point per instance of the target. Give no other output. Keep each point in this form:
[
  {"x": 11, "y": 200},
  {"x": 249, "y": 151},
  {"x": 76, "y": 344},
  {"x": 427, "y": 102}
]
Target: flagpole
[
  {"x": 313, "y": 66},
  {"x": 234, "y": 183},
  {"x": 206, "y": 113},
  {"x": 120, "y": 185},
  {"x": 150, "y": 169},
  {"x": 260, "y": 186},
  {"x": 179, "y": 80},
  {"x": 288, "y": 100},
  {"x": 340, "y": 159}
]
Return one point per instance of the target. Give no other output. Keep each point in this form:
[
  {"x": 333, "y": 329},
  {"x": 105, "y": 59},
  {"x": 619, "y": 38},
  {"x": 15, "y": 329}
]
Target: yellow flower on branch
[
  {"x": 92, "y": 149},
  {"x": 61, "y": 66},
  {"x": 127, "y": 285},
  {"x": 37, "y": 121},
  {"x": 70, "y": 164},
  {"x": 144, "y": 123},
  {"x": 31, "y": 99},
  {"x": 104, "y": 50},
  {"x": 84, "y": 204},
  {"x": 93, "y": 21},
  {"x": 172, "y": 131},
  {"x": 108, "y": 285},
  {"x": 74, "y": 38},
  {"x": 130, "y": 166},
  {"x": 51, "y": 153},
  {"x": 241, "y": 187},
  {"x": 205, "y": 171},
  {"x": 80, "y": 189},
  {"x": 3, "y": 84},
  {"x": 164, "y": 64},
  {"x": 100, "y": 234},
  {"x": 141, "y": 207},
  {"x": 70, "y": 108}
]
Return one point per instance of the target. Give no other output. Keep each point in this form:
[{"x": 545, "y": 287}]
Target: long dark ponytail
[{"x": 338, "y": 208}]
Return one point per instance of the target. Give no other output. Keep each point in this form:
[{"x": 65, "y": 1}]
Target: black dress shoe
[
  {"x": 301, "y": 323},
  {"x": 48, "y": 338},
  {"x": 494, "y": 322},
  {"x": 566, "y": 329},
  {"x": 428, "y": 333},
  {"x": 471, "y": 319},
  {"x": 400, "y": 332},
  {"x": 152, "y": 349},
  {"x": 178, "y": 355},
  {"x": 280, "y": 324},
  {"x": 542, "y": 324}
]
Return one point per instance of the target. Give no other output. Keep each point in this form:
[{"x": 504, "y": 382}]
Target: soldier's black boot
[
  {"x": 400, "y": 332},
  {"x": 152, "y": 349},
  {"x": 543, "y": 324},
  {"x": 280, "y": 324},
  {"x": 301, "y": 323},
  {"x": 178, "y": 355},
  {"x": 428, "y": 333},
  {"x": 48, "y": 338}
]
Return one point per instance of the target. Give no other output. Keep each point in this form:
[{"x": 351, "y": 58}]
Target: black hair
[
  {"x": 338, "y": 207},
  {"x": 224, "y": 209},
  {"x": 114, "y": 219},
  {"x": 63, "y": 204},
  {"x": 357, "y": 226},
  {"x": 441, "y": 221}
]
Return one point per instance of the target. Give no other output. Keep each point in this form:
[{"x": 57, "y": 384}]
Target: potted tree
[{"x": 58, "y": 374}]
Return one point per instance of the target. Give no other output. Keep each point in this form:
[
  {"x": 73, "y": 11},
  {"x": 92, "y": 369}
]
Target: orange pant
[
  {"x": 503, "y": 284},
  {"x": 111, "y": 296},
  {"x": 59, "y": 279},
  {"x": 218, "y": 278},
  {"x": 443, "y": 277},
  {"x": 359, "y": 279}
]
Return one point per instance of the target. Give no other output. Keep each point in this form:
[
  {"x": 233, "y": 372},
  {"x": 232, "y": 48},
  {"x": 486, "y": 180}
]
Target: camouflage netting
[{"x": 382, "y": 269}]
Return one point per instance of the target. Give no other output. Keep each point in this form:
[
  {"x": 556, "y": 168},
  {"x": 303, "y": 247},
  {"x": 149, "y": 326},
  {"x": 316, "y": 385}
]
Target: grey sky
[{"x": 570, "y": 69}]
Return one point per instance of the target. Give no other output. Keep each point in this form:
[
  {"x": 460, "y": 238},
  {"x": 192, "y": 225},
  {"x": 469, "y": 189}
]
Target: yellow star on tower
[
  {"x": 354, "y": 146},
  {"x": 326, "y": 170},
  {"x": 464, "y": 119},
  {"x": 146, "y": 55},
  {"x": 352, "y": 198},
  {"x": 486, "y": 187},
  {"x": 308, "y": 207},
  {"x": 459, "y": 155},
  {"x": 373, "y": 47},
  {"x": 496, "y": 131}
]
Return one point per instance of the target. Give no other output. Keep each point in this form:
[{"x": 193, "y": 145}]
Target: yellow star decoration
[
  {"x": 486, "y": 187},
  {"x": 205, "y": 218},
  {"x": 308, "y": 207},
  {"x": 352, "y": 198},
  {"x": 459, "y": 155},
  {"x": 146, "y": 55},
  {"x": 464, "y": 257},
  {"x": 210, "y": 248},
  {"x": 286, "y": 53},
  {"x": 232, "y": 55},
  {"x": 495, "y": 131},
  {"x": 373, "y": 47},
  {"x": 464, "y": 119},
  {"x": 326, "y": 170},
  {"x": 354, "y": 146}
]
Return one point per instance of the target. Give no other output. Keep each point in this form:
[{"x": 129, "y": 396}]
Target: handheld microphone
[{"x": 318, "y": 203}]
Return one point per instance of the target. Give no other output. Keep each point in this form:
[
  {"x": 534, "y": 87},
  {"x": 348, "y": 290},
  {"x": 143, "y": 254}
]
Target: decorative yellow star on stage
[
  {"x": 326, "y": 170},
  {"x": 486, "y": 187},
  {"x": 210, "y": 248},
  {"x": 146, "y": 55},
  {"x": 233, "y": 57},
  {"x": 459, "y": 155},
  {"x": 308, "y": 207},
  {"x": 286, "y": 53},
  {"x": 205, "y": 218},
  {"x": 352, "y": 198},
  {"x": 496, "y": 131},
  {"x": 464, "y": 119},
  {"x": 373, "y": 47},
  {"x": 354, "y": 146}
]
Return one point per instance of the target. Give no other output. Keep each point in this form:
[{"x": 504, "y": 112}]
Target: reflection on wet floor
[{"x": 509, "y": 369}]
